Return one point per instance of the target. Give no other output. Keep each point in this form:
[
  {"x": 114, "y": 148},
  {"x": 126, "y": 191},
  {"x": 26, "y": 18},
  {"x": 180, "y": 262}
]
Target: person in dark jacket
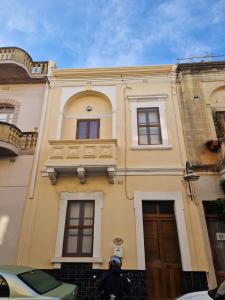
[{"x": 113, "y": 284}]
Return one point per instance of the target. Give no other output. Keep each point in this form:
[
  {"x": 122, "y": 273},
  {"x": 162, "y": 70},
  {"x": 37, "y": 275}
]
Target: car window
[
  {"x": 4, "y": 288},
  {"x": 39, "y": 281}
]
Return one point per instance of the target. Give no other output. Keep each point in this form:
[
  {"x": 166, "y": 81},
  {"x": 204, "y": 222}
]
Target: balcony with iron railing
[
  {"x": 14, "y": 142},
  {"x": 15, "y": 63},
  {"x": 82, "y": 157}
]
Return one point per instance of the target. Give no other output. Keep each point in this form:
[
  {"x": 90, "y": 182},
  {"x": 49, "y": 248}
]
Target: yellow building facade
[{"x": 110, "y": 179}]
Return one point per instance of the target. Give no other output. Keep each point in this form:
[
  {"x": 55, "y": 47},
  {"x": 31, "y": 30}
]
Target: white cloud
[
  {"x": 218, "y": 12},
  {"x": 16, "y": 17},
  {"x": 176, "y": 23},
  {"x": 113, "y": 32},
  {"x": 114, "y": 42},
  {"x": 171, "y": 23}
]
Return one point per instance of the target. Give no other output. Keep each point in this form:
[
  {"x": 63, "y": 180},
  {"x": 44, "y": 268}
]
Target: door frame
[{"x": 180, "y": 220}]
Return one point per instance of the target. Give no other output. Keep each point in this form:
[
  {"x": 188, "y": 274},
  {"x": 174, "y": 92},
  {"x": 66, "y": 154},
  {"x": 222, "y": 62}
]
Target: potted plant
[
  {"x": 219, "y": 208},
  {"x": 213, "y": 145},
  {"x": 218, "y": 124},
  {"x": 222, "y": 185}
]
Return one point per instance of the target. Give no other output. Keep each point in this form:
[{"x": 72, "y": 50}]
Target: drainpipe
[{"x": 40, "y": 133}]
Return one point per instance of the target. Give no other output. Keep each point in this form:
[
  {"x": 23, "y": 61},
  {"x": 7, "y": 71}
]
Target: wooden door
[
  {"x": 162, "y": 253},
  {"x": 216, "y": 232}
]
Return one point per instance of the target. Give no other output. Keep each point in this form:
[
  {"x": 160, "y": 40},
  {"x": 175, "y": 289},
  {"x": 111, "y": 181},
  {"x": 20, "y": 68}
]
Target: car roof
[{"x": 14, "y": 269}]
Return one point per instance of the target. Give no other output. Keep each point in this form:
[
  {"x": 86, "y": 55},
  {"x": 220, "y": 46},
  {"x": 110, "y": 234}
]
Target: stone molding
[{"x": 16, "y": 105}]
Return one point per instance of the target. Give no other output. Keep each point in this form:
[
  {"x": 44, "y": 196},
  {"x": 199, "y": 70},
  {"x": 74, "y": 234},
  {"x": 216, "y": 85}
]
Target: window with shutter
[{"x": 79, "y": 227}]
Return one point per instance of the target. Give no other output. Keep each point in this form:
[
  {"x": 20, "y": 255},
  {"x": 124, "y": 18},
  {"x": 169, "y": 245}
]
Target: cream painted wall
[
  {"x": 208, "y": 187},
  {"x": 15, "y": 172},
  {"x": 40, "y": 237},
  {"x": 30, "y": 98},
  {"x": 14, "y": 179},
  {"x": 45, "y": 209},
  {"x": 11, "y": 212}
]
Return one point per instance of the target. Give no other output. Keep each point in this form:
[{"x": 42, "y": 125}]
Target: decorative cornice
[
  {"x": 136, "y": 172},
  {"x": 150, "y": 97},
  {"x": 83, "y": 141},
  {"x": 210, "y": 66},
  {"x": 115, "y": 72},
  {"x": 149, "y": 171}
]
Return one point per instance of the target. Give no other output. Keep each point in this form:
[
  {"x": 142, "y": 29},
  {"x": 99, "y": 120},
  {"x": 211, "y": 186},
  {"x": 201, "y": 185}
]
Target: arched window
[{"x": 6, "y": 112}]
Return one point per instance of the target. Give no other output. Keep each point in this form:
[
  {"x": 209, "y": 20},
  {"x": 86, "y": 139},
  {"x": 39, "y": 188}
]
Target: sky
[{"x": 107, "y": 33}]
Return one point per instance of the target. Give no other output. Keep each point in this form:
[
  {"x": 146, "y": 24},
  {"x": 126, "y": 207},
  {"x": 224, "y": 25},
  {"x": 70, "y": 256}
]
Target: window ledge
[
  {"x": 151, "y": 147},
  {"x": 77, "y": 259}
]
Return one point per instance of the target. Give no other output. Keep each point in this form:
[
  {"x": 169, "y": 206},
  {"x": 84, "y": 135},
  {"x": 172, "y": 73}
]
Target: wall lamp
[{"x": 189, "y": 177}]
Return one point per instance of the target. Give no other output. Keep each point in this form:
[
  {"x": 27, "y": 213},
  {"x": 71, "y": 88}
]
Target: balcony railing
[
  {"x": 13, "y": 141},
  {"x": 21, "y": 56},
  {"x": 82, "y": 156}
]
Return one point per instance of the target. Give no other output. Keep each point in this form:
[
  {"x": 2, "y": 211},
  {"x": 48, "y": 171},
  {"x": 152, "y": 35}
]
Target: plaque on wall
[{"x": 220, "y": 236}]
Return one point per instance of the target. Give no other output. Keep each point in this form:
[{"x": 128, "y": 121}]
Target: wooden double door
[
  {"x": 162, "y": 252},
  {"x": 216, "y": 232}
]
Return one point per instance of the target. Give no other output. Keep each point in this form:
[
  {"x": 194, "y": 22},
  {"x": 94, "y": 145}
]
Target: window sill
[
  {"x": 151, "y": 147},
  {"x": 77, "y": 259}
]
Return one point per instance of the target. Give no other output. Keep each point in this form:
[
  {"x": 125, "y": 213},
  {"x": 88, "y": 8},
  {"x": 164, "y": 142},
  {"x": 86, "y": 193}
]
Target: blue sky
[{"x": 102, "y": 33}]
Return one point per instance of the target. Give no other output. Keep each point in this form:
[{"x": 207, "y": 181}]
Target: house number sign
[{"x": 220, "y": 236}]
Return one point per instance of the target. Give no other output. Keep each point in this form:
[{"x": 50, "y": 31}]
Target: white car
[
  {"x": 25, "y": 283},
  {"x": 196, "y": 296},
  {"x": 218, "y": 294}
]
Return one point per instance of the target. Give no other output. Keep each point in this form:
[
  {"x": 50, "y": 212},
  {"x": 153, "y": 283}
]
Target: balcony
[
  {"x": 82, "y": 157},
  {"x": 14, "y": 142},
  {"x": 16, "y": 66}
]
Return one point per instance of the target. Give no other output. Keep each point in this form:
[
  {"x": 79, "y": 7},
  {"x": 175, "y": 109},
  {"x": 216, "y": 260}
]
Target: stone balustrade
[
  {"x": 23, "y": 142},
  {"x": 82, "y": 156},
  {"x": 21, "y": 56}
]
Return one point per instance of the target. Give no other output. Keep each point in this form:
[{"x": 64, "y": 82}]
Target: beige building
[
  {"x": 201, "y": 92},
  {"x": 111, "y": 178},
  {"x": 22, "y": 96}
]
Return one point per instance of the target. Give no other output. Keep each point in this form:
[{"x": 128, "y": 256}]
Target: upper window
[
  {"x": 149, "y": 129},
  {"x": 148, "y": 122},
  {"x": 88, "y": 129},
  {"x": 6, "y": 112},
  {"x": 79, "y": 227}
]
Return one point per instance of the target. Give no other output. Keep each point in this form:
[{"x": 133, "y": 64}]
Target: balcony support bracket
[
  {"x": 52, "y": 175},
  {"x": 81, "y": 175},
  {"x": 111, "y": 174}
]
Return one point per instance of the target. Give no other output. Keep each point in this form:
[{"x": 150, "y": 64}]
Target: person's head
[{"x": 115, "y": 262}]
